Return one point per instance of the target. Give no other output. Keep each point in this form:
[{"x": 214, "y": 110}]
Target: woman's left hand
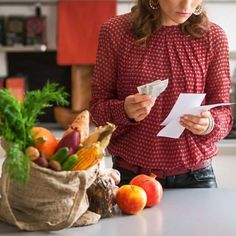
[{"x": 196, "y": 124}]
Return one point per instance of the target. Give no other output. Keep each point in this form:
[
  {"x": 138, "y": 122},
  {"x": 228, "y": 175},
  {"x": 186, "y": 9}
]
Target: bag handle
[{"x": 45, "y": 226}]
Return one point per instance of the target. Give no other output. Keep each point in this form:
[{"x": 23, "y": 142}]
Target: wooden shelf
[{"x": 19, "y": 48}]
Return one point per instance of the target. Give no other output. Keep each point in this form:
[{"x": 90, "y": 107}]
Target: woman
[{"x": 162, "y": 39}]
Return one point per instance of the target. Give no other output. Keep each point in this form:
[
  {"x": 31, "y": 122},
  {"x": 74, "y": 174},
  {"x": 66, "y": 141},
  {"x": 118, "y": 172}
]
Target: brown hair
[{"x": 146, "y": 20}]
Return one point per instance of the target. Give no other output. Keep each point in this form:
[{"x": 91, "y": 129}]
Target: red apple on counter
[
  {"x": 131, "y": 199},
  {"x": 151, "y": 186}
]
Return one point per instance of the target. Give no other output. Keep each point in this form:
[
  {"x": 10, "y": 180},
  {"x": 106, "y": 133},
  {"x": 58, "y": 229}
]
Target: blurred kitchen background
[{"x": 32, "y": 52}]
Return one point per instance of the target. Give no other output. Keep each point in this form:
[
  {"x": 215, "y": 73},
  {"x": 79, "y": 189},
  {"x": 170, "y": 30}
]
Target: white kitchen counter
[{"x": 190, "y": 212}]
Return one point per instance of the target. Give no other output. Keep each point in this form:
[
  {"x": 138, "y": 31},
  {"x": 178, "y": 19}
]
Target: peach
[
  {"x": 151, "y": 186},
  {"x": 131, "y": 199}
]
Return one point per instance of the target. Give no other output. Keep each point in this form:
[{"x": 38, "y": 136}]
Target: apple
[
  {"x": 151, "y": 186},
  {"x": 131, "y": 199}
]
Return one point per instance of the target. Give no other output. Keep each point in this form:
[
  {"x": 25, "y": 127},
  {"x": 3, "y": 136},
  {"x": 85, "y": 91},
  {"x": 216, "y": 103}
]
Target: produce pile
[
  {"x": 76, "y": 150},
  {"x": 17, "y": 120},
  {"x": 143, "y": 191},
  {"x": 24, "y": 141},
  {"x": 79, "y": 150}
]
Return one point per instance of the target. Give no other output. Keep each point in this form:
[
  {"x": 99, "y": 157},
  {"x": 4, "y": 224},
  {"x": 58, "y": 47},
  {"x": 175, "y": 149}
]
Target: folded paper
[
  {"x": 154, "y": 88},
  {"x": 187, "y": 103}
]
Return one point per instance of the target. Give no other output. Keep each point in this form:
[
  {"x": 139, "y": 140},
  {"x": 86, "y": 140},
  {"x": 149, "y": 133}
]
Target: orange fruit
[
  {"x": 131, "y": 199},
  {"x": 45, "y": 141}
]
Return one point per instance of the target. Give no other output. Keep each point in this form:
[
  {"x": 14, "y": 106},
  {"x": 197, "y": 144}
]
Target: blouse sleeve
[
  {"x": 217, "y": 86},
  {"x": 105, "y": 105}
]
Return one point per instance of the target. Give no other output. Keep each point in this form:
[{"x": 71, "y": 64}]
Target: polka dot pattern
[{"x": 191, "y": 65}]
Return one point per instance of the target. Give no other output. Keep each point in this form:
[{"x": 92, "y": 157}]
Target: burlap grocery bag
[{"x": 50, "y": 201}]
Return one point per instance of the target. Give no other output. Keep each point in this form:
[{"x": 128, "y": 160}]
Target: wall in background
[{"x": 223, "y": 13}]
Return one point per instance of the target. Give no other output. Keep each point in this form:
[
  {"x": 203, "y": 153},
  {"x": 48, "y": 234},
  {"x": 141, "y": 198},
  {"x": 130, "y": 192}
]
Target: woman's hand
[
  {"x": 199, "y": 125},
  {"x": 138, "y": 106}
]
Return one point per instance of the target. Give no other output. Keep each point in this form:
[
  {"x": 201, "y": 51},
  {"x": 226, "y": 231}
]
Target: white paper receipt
[
  {"x": 187, "y": 103},
  {"x": 154, "y": 88}
]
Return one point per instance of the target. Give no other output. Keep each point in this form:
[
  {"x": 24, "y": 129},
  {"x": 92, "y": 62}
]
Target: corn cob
[
  {"x": 102, "y": 134},
  {"x": 88, "y": 156},
  {"x": 93, "y": 137}
]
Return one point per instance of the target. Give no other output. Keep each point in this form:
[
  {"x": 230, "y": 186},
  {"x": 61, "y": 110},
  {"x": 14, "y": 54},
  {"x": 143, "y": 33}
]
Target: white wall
[
  {"x": 224, "y": 14},
  {"x": 124, "y": 7}
]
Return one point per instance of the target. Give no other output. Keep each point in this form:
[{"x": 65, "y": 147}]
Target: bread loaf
[{"x": 81, "y": 124}]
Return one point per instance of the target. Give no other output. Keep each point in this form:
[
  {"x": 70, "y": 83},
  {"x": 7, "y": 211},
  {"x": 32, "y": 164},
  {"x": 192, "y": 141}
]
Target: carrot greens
[{"x": 17, "y": 120}]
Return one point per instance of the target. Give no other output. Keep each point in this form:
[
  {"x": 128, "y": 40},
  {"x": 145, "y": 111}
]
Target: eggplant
[{"x": 71, "y": 140}]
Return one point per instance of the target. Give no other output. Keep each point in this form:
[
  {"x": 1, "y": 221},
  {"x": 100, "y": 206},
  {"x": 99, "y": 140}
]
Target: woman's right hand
[{"x": 138, "y": 106}]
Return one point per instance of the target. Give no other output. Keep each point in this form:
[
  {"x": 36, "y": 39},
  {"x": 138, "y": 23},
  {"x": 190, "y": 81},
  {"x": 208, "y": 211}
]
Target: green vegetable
[
  {"x": 61, "y": 155},
  {"x": 17, "y": 120},
  {"x": 17, "y": 163},
  {"x": 70, "y": 162}
]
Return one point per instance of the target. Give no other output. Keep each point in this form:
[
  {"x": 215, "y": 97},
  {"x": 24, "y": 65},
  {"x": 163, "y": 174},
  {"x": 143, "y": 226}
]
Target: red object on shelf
[
  {"x": 17, "y": 87},
  {"x": 79, "y": 23}
]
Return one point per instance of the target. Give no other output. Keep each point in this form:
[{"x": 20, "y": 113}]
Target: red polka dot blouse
[{"x": 192, "y": 66}]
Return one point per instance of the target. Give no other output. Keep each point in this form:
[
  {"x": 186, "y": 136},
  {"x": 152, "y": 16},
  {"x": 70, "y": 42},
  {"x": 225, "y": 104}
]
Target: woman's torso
[{"x": 169, "y": 54}]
